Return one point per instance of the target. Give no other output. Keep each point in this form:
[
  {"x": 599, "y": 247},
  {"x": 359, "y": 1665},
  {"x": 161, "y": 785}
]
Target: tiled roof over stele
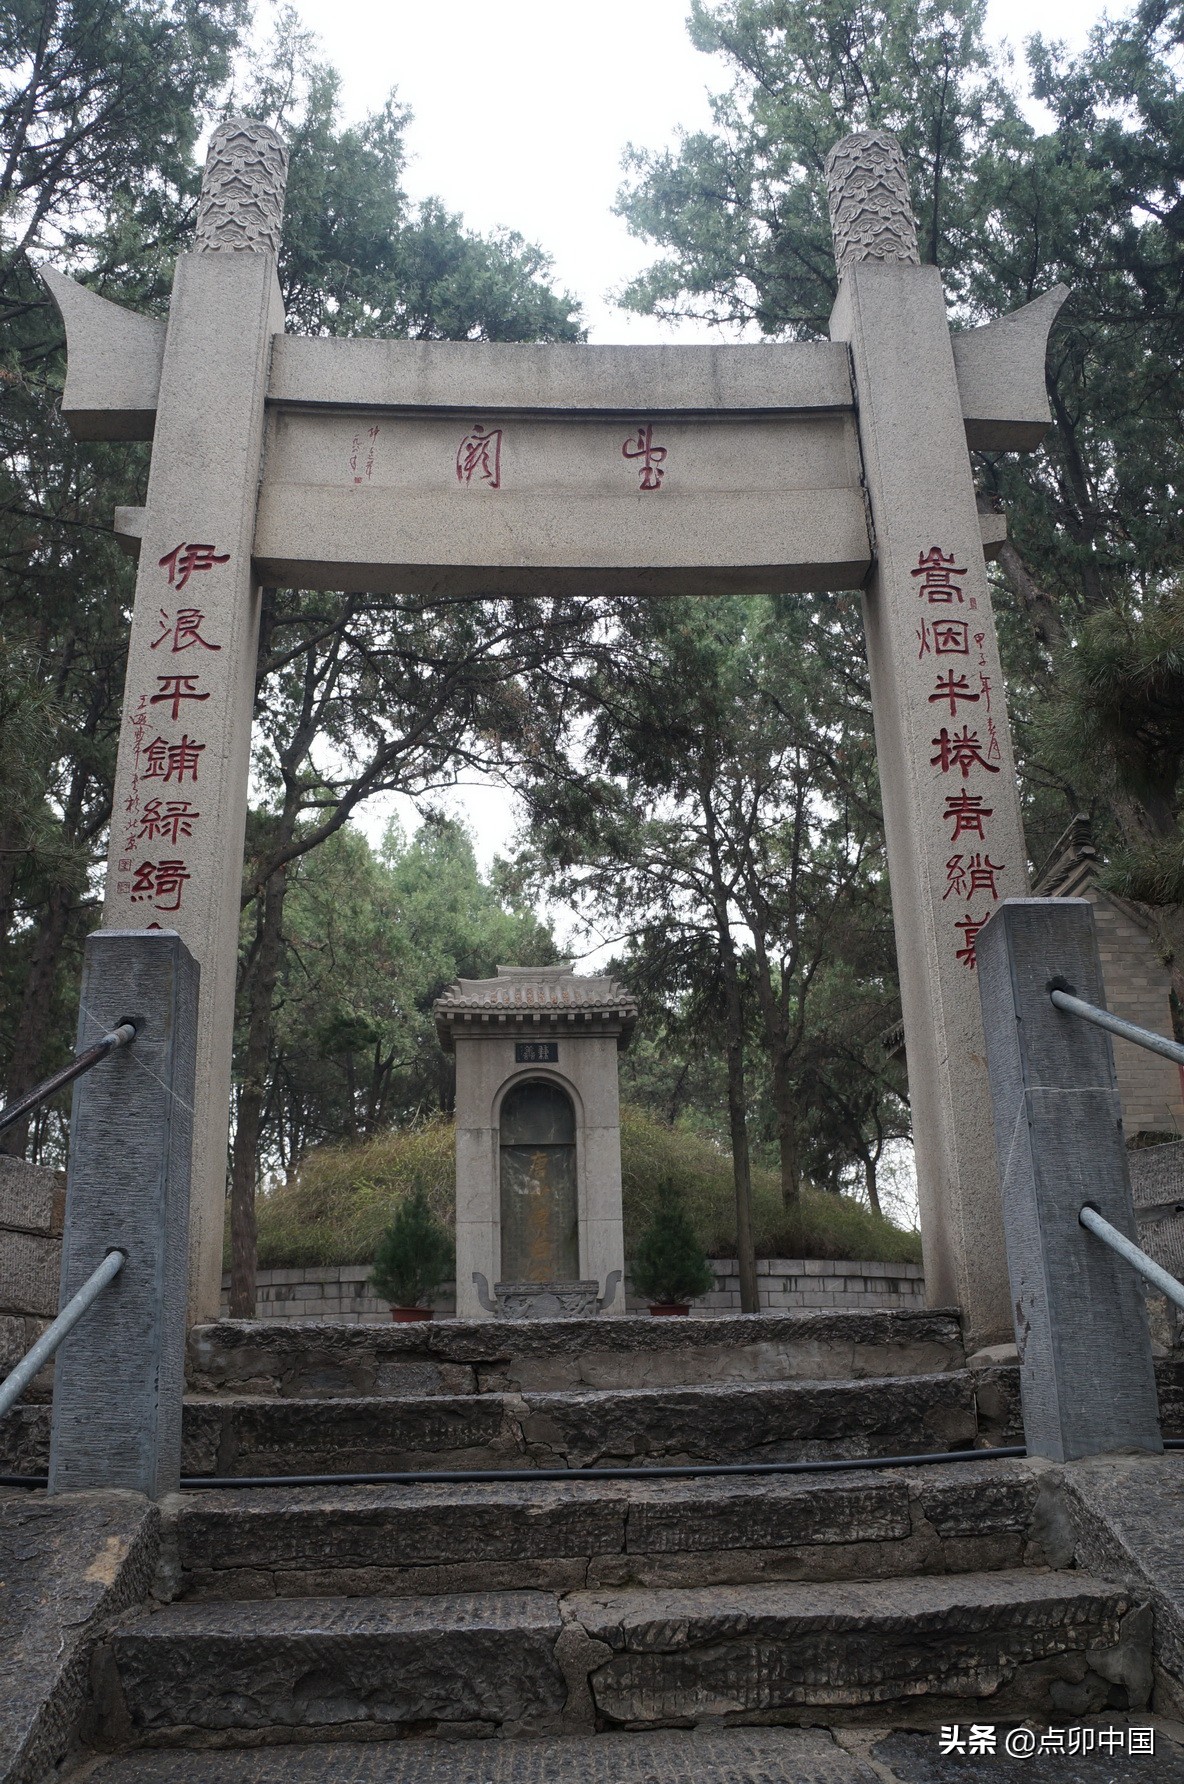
[{"x": 536, "y": 1000}]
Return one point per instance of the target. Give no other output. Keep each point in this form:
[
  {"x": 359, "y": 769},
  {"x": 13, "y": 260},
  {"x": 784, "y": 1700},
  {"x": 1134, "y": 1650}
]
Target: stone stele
[{"x": 538, "y": 1132}]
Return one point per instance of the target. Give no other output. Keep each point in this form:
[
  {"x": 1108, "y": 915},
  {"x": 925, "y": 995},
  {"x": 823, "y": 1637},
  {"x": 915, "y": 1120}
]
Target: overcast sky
[{"x": 522, "y": 109}]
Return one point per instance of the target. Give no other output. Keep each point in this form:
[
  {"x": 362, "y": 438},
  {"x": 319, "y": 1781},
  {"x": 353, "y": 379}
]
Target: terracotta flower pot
[
  {"x": 405, "y": 1315},
  {"x": 669, "y": 1309}
]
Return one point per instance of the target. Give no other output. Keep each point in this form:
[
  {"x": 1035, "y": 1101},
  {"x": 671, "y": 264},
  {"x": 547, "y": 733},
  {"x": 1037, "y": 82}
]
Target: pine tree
[
  {"x": 415, "y": 1254},
  {"x": 671, "y": 1265}
]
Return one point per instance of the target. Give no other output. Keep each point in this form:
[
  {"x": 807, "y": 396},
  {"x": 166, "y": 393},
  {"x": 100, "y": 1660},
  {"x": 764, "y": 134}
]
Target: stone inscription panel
[{"x": 497, "y": 502}]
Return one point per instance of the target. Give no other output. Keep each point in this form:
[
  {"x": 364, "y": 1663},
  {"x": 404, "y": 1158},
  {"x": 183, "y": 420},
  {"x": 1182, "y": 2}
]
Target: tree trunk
[
  {"x": 1040, "y": 608},
  {"x": 738, "y": 1124},
  {"x": 31, "y": 1036},
  {"x": 869, "y": 1178},
  {"x": 252, "y": 1095},
  {"x": 787, "y": 1136},
  {"x": 733, "y": 1010}
]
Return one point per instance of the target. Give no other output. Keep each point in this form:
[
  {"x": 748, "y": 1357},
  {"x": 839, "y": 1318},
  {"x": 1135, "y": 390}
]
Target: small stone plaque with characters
[{"x": 536, "y": 1052}]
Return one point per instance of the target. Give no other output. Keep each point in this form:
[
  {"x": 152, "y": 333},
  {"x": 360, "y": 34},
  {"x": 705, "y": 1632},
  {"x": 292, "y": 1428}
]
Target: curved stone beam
[
  {"x": 113, "y": 363},
  {"x": 1000, "y": 371}
]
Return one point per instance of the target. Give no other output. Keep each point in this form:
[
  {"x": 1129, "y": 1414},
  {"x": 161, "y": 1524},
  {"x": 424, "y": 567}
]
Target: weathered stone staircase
[{"x": 580, "y": 1622}]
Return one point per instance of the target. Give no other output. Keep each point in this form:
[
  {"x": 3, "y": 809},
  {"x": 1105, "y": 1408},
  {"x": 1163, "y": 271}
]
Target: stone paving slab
[
  {"x": 910, "y": 1757},
  {"x": 1123, "y": 1518},
  {"x": 723, "y": 1422},
  {"x": 531, "y": 1663},
  {"x": 719, "y": 1422},
  {"x": 737, "y": 1756}
]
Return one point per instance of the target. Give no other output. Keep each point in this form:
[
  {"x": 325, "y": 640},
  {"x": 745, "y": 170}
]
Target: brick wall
[
  {"x": 788, "y": 1283},
  {"x": 1137, "y": 987},
  {"x": 32, "y": 1203},
  {"x": 340, "y": 1292}
]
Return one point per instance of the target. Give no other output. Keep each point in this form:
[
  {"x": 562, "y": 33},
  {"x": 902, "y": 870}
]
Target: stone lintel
[
  {"x": 530, "y": 379},
  {"x": 115, "y": 358}
]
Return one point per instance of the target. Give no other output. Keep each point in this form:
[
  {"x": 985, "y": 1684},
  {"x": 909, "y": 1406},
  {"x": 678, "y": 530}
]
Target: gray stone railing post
[
  {"x": 1086, "y": 1373},
  {"x": 119, "y": 1377}
]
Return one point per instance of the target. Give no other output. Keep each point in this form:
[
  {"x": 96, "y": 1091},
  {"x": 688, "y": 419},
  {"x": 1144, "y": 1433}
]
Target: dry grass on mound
[{"x": 334, "y": 1210}]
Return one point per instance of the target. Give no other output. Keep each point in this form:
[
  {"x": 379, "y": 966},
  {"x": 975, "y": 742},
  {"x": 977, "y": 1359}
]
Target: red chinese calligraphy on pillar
[
  {"x": 162, "y": 882},
  {"x": 967, "y": 812},
  {"x": 970, "y": 927},
  {"x": 186, "y": 560},
  {"x": 937, "y": 571},
  {"x": 967, "y": 875},
  {"x": 944, "y": 637},
  {"x": 184, "y": 629},
  {"x": 953, "y": 688},
  {"x": 172, "y": 761},
  {"x": 176, "y": 688},
  {"x": 169, "y": 819},
  {"x": 963, "y": 751}
]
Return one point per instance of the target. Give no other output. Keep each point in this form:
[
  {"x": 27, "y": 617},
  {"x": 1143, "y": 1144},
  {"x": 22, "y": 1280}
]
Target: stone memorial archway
[{"x": 456, "y": 467}]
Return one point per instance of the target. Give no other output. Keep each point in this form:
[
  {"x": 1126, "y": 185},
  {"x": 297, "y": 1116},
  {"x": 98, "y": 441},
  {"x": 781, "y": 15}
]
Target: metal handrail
[
  {"x": 1147, "y": 1267},
  {"x": 1089, "y": 1217},
  {"x": 122, "y": 1036},
  {"x": 1127, "y": 1031},
  {"x": 14, "y": 1385}
]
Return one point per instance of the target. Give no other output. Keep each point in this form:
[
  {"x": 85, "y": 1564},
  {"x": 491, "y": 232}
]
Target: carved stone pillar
[
  {"x": 951, "y": 804},
  {"x": 181, "y": 783}
]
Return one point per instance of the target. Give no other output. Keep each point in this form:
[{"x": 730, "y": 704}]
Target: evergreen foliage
[
  {"x": 1007, "y": 207},
  {"x": 670, "y": 1264},
  {"x": 415, "y": 1254}
]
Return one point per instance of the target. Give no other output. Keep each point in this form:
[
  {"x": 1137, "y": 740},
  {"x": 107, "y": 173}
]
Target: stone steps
[
  {"x": 723, "y": 1422},
  {"x": 728, "y": 1756},
  {"x": 447, "y": 1357},
  {"x": 1028, "y": 1642},
  {"x": 354, "y": 1541}
]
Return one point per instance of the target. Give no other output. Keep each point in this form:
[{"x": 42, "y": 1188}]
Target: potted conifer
[
  {"x": 670, "y": 1267},
  {"x": 415, "y": 1255}
]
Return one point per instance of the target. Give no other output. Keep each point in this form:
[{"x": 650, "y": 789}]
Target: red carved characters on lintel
[
  {"x": 479, "y": 456},
  {"x": 651, "y": 459}
]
